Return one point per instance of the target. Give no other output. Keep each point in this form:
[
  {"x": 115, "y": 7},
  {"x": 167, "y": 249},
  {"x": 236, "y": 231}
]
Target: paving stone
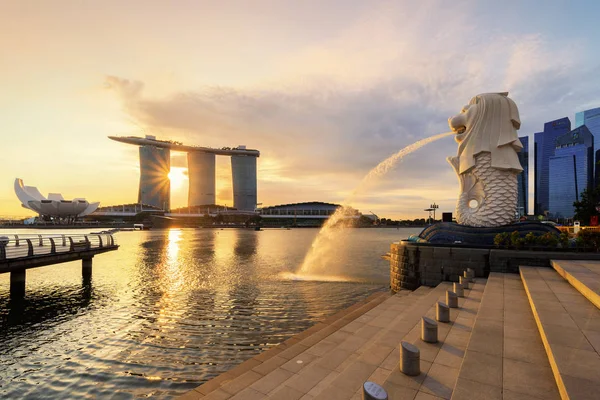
[
  {"x": 286, "y": 393},
  {"x": 191, "y": 395},
  {"x": 354, "y": 375},
  {"x": 333, "y": 359},
  {"x": 321, "y": 348},
  {"x": 375, "y": 355},
  {"x": 426, "y": 396},
  {"x": 482, "y": 368},
  {"x": 379, "y": 376},
  {"x": 414, "y": 382},
  {"x": 558, "y": 335},
  {"x": 529, "y": 379},
  {"x": 399, "y": 392},
  {"x": 307, "y": 378},
  {"x": 440, "y": 381},
  {"x": 270, "y": 365},
  {"x": 335, "y": 393},
  {"x": 525, "y": 349},
  {"x": 325, "y": 383},
  {"x": 510, "y": 395},
  {"x": 214, "y": 383},
  {"x": 218, "y": 394},
  {"x": 241, "y": 382},
  {"x": 450, "y": 356},
  {"x": 267, "y": 383},
  {"x": 466, "y": 389},
  {"x": 248, "y": 394},
  {"x": 299, "y": 362},
  {"x": 577, "y": 363},
  {"x": 581, "y": 389}
]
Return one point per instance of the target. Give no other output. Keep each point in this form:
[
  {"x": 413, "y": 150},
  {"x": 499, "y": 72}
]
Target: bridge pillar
[
  {"x": 86, "y": 267},
  {"x": 17, "y": 284}
]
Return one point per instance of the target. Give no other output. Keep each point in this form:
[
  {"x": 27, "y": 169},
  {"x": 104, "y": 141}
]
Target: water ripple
[{"x": 170, "y": 310}]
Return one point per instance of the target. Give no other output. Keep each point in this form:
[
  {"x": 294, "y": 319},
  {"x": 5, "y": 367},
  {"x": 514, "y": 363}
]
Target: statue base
[{"x": 453, "y": 233}]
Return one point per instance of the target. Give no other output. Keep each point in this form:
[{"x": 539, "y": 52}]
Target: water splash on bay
[{"x": 321, "y": 260}]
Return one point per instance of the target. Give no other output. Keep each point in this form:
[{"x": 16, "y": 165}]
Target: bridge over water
[{"x": 18, "y": 253}]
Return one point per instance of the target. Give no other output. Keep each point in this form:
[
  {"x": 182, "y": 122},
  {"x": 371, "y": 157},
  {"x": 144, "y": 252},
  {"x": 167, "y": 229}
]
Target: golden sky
[{"x": 324, "y": 89}]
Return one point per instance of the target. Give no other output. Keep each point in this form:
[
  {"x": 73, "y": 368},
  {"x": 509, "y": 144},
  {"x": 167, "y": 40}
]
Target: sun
[{"x": 178, "y": 176}]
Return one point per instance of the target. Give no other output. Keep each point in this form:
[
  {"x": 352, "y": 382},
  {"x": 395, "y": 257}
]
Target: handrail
[{"x": 12, "y": 246}]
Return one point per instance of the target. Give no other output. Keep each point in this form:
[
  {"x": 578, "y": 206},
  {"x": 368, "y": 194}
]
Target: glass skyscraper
[
  {"x": 571, "y": 170},
  {"x": 591, "y": 119},
  {"x": 545, "y": 145},
  {"x": 523, "y": 177}
]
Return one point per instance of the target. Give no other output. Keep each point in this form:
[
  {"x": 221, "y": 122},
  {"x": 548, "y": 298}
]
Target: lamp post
[{"x": 434, "y": 207}]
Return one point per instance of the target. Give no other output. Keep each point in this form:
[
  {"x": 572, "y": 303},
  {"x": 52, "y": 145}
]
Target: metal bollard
[
  {"x": 372, "y": 391},
  {"x": 410, "y": 359},
  {"x": 451, "y": 299},
  {"x": 429, "y": 330},
  {"x": 458, "y": 289},
  {"x": 471, "y": 274},
  {"x": 464, "y": 281},
  {"x": 442, "y": 312}
]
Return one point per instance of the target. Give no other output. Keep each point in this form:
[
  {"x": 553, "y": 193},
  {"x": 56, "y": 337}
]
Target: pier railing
[{"x": 20, "y": 246}]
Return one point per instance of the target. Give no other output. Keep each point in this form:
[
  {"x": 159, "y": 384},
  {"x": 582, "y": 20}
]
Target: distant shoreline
[{"x": 110, "y": 226}]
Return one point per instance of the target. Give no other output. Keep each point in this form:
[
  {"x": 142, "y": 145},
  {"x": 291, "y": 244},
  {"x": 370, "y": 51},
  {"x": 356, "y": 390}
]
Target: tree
[{"x": 585, "y": 208}]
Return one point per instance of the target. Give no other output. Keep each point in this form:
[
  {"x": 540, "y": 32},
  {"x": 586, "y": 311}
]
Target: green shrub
[
  {"x": 502, "y": 239},
  {"x": 588, "y": 239}
]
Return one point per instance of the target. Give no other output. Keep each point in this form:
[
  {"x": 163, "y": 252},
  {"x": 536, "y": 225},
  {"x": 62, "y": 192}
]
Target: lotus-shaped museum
[{"x": 54, "y": 205}]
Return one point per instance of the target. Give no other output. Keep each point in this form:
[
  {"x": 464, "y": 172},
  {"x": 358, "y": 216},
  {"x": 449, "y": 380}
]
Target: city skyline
[{"x": 325, "y": 91}]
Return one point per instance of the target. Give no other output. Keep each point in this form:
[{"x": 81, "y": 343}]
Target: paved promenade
[{"x": 504, "y": 341}]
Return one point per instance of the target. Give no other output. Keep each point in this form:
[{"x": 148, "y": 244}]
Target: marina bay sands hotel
[{"x": 155, "y": 164}]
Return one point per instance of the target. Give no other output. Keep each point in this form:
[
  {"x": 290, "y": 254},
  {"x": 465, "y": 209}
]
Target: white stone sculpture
[{"x": 487, "y": 163}]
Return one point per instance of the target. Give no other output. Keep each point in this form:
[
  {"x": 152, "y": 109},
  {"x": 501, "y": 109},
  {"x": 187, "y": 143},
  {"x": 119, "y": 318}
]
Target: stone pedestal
[
  {"x": 442, "y": 312},
  {"x": 372, "y": 391},
  {"x": 464, "y": 281},
  {"x": 429, "y": 330},
  {"x": 410, "y": 359},
  {"x": 451, "y": 299},
  {"x": 458, "y": 289}
]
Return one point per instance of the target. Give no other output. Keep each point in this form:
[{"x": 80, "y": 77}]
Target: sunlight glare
[{"x": 178, "y": 176}]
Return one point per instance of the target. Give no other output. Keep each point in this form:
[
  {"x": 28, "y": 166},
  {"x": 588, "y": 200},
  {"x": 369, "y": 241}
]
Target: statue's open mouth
[{"x": 460, "y": 129}]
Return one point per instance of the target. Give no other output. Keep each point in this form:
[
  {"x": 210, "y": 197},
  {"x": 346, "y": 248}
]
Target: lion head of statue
[{"x": 488, "y": 123}]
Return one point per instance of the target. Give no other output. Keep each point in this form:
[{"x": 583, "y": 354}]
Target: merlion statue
[{"x": 487, "y": 163}]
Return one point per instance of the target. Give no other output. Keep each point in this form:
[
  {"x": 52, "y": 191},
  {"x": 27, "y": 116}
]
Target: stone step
[
  {"x": 569, "y": 326},
  {"x": 439, "y": 361},
  {"x": 505, "y": 357},
  {"x": 324, "y": 361},
  {"x": 343, "y": 364},
  {"x": 582, "y": 275},
  {"x": 387, "y": 341},
  {"x": 244, "y": 372}
]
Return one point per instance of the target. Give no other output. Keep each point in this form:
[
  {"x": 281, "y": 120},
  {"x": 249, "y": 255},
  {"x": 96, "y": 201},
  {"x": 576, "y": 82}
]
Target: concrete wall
[
  {"x": 413, "y": 264},
  {"x": 243, "y": 171},
  {"x": 155, "y": 187},
  {"x": 201, "y": 173}
]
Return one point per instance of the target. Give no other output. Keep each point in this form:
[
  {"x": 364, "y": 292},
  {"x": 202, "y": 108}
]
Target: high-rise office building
[
  {"x": 591, "y": 119},
  {"x": 545, "y": 145},
  {"x": 571, "y": 170},
  {"x": 523, "y": 177}
]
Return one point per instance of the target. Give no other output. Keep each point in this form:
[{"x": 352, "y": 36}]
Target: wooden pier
[{"x": 18, "y": 253}]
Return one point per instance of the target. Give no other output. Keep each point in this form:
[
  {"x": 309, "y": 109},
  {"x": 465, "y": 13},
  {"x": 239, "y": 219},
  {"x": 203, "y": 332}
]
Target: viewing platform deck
[
  {"x": 532, "y": 335},
  {"x": 18, "y": 253}
]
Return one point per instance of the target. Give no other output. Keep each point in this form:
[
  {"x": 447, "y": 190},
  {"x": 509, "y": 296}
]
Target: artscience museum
[{"x": 54, "y": 205}]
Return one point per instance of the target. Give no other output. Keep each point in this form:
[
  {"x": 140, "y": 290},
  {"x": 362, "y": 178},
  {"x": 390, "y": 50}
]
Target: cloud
[{"x": 341, "y": 106}]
